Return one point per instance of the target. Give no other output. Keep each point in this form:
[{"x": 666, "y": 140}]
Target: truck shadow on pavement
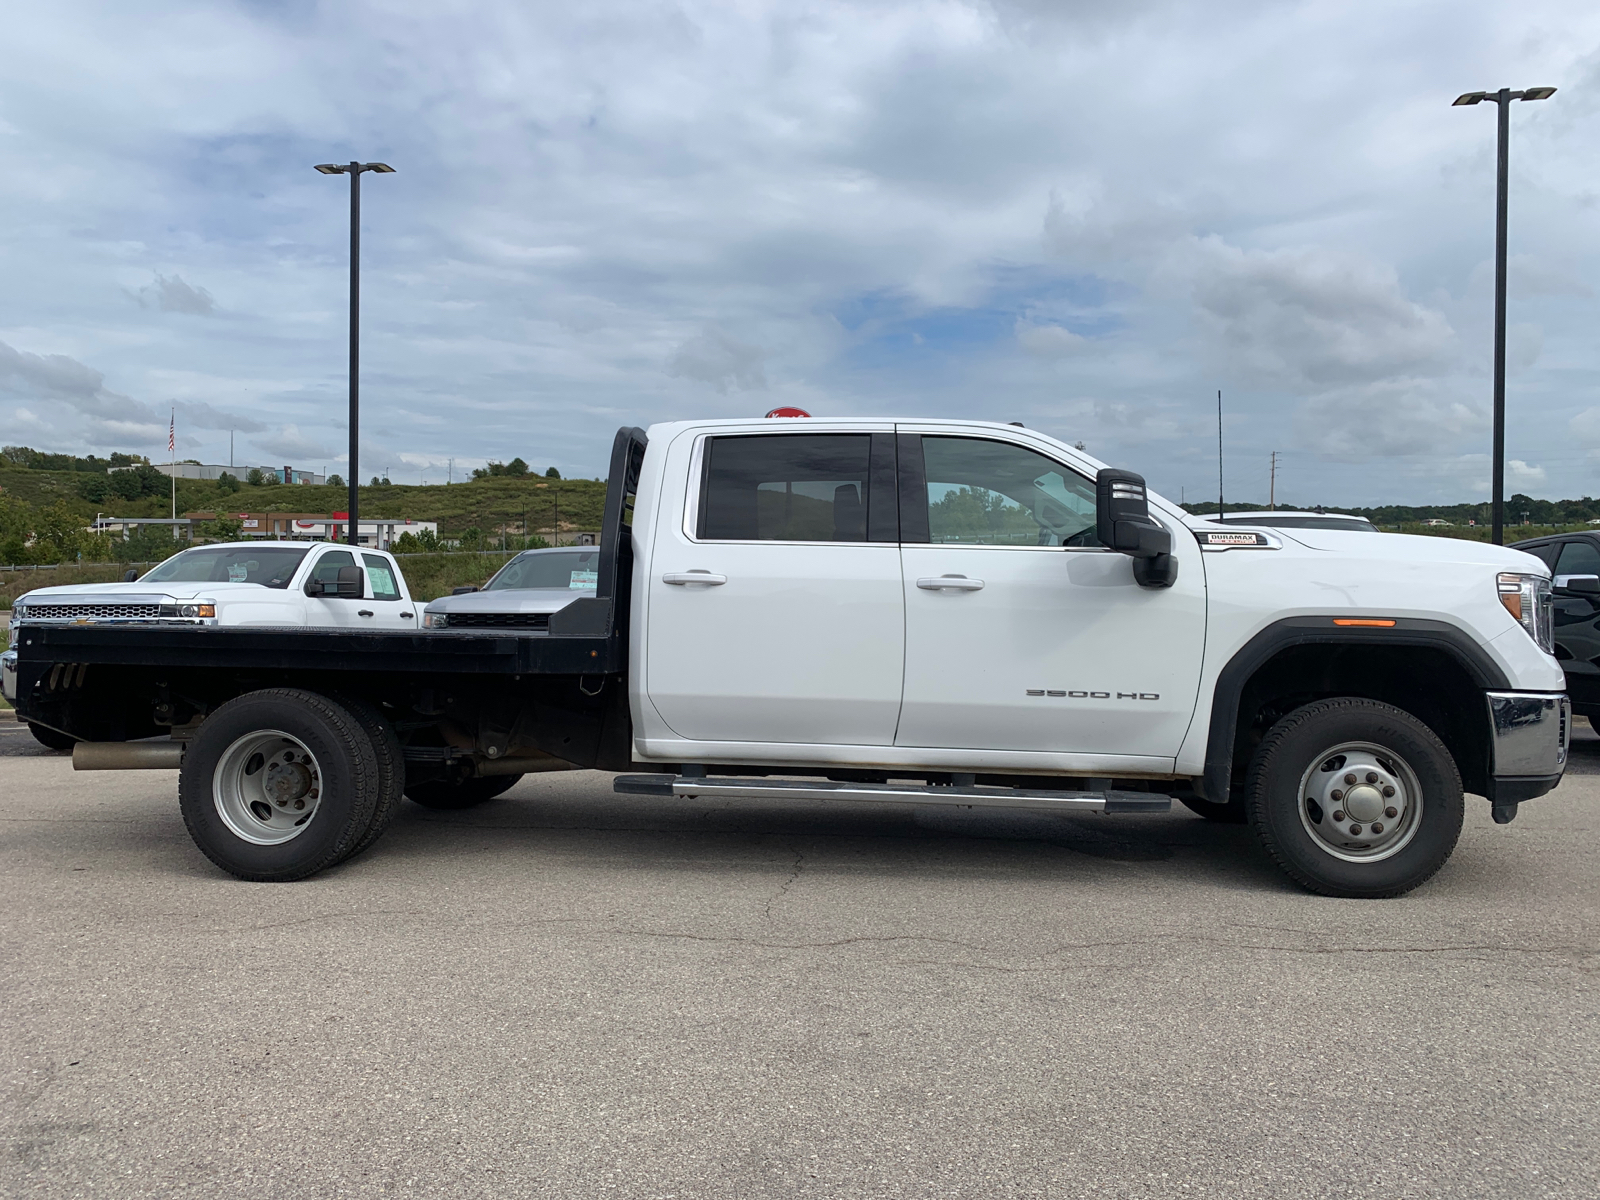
[{"x": 538, "y": 818}]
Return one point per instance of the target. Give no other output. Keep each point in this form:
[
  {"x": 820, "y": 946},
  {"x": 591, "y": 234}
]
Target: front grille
[
  {"x": 477, "y": 620},
  {"x": 104, "y": 612}
]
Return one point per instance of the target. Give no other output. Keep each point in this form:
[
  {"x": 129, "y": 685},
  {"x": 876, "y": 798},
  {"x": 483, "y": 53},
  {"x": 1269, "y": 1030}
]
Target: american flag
[{"x": 172, "y": 434}]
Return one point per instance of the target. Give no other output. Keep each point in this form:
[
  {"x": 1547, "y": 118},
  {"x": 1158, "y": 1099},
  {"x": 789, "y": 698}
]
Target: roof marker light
[{"x": 788, "y": 411}]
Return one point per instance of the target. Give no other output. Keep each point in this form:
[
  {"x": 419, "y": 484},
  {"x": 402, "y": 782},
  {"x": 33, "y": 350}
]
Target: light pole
[
  {"x": 1502, "y": 100},
  {"x": 354, "y": 170}
]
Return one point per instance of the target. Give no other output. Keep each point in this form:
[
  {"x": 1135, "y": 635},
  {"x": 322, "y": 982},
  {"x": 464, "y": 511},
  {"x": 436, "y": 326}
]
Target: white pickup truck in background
[
  {"x": 290, "y": 584},
  {"x": 882, "y": 611}
]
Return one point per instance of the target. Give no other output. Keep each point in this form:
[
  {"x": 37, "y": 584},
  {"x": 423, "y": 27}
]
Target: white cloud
[
  {"x": 289, "y": 443},
  {"x": 717, "y": 358},
  {"x": 1521, "y": 475},
  {"x": 1313, "y": 317},
  {"x": 174, "y": 295},
  {"x": 1049, "y": 341},
  {"x": 1386, "y": 420}
]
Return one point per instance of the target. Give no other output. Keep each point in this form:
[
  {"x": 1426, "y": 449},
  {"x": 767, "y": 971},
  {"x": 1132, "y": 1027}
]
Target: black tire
[
  {"x": 391, "y": 767},
  {"x": 51, "y": 738},
  {"x": 1402, "y": 852},
  {"x": 339, "y": 807},
  {"x": 1231, "y": 813},
  {"x": 465, "y": 793}
]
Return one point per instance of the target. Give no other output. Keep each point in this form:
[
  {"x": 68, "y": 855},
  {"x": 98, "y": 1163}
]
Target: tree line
[{"x": 1519, "y": 508}]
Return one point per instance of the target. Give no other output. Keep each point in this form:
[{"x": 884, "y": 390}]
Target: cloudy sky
[{"x": 1080, "y": 215}]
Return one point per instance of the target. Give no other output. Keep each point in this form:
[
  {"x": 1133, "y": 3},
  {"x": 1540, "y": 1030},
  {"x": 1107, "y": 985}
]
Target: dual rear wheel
[{"x": 282, "y": 783}]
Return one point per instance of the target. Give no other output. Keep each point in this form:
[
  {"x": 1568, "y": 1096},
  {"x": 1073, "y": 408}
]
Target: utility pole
[
  {"x": 1272, "y": 487},
  {"x": 1502, "y": 100},
  {"x": 354, "y": 170}
]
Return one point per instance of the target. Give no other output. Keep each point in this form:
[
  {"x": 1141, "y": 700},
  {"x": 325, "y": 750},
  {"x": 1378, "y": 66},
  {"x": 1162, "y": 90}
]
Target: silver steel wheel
[
  {"x": 266, "y": 787},
  {"x": 1360, "y": 802}
]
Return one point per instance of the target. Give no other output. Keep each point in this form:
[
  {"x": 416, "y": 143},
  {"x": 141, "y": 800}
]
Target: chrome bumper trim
[
  {"x": 1532, "y": 731},
  {"x": 8, "y": 675}
]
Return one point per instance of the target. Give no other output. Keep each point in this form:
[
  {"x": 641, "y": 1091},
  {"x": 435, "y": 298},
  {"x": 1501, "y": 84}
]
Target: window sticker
[
  {"x": 238, "y": 572},
  {"x": 382, "y": 583},
  {"x": 584, "y": 579}
]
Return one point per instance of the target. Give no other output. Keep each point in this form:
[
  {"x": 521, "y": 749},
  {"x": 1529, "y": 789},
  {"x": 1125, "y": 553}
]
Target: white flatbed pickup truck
[{"x": 880, "y": 611}]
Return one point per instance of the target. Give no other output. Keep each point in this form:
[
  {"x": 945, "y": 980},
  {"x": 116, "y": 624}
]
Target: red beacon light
[{"x": 788, "y": 411}]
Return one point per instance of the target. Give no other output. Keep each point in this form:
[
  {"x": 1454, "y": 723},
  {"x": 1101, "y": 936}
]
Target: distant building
[
  {"x": 318, "y": 527},
  {"x": 283, "y": 474}
]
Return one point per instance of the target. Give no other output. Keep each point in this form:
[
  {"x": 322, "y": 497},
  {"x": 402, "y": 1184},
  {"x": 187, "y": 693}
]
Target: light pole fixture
[
  {"x": 354, "y": 170},
  {"x": 1502, "y": 100}
]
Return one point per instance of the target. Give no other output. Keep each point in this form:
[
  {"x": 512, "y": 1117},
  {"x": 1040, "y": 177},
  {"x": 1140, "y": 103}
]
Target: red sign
[{"x": 788, "y": 411}]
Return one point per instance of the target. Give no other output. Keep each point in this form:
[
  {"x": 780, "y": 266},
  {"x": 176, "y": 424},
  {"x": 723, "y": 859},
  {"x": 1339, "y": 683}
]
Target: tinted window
[
  {"x": 327, "y": 567},
  {"x": 786, "y": 488},
  {"x": 999, "y": 494},
  {"x": 548, "y": 569},
  {"x": 1578, "y": 558},
  {"x": 270, "y": 566},
  {"x": 1548, "y": 552},
  {"x": 380, "y": 577}
]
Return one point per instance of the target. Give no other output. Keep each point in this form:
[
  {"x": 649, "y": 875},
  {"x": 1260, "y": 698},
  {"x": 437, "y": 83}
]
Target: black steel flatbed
[{"x": 264, "y": 648}]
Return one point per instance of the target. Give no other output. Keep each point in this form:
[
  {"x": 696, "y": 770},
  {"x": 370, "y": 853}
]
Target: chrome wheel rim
[
  {"x": 1360, "y": 802},
  {"x": 267, "y": 787}
]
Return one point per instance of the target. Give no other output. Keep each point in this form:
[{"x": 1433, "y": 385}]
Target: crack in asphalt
[{"x": 783, "y": 888}]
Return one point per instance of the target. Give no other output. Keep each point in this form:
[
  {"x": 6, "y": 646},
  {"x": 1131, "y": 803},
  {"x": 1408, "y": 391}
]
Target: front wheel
[{"x": 1355, "y": 798}]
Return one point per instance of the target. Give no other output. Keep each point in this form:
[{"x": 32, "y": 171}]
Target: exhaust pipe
[
  {"x": 127, "y": 756},
  {"x": 524, "y": 766}
]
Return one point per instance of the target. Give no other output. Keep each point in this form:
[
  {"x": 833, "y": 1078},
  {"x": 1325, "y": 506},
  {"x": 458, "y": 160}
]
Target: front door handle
[
  {"x": 950, "y": 583},
  {"x": 364, "y": 612},
  {"x": 405, "y": 614},
  {"x": 681, "y": 578}
]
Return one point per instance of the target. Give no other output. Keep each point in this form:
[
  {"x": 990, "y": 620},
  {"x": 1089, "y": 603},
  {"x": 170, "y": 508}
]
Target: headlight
[
  {"x": 188, "y": 610},
  {"x": 433, "y": 620},
  {"x": 1528, "y": 599}
]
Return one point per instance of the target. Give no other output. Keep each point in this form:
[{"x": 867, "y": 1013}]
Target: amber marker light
[{"x": 1365, "y": 622}]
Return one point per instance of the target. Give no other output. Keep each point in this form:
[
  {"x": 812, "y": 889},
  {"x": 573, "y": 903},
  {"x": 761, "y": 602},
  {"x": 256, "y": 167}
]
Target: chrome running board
[{"x": 969, "y": 796}]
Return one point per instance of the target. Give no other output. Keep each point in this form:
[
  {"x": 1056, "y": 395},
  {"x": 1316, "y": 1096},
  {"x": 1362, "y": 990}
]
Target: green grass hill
[{"x": 485, "y": 504}]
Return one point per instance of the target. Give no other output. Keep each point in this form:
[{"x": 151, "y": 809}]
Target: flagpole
[{"x": 172, "y": 453}]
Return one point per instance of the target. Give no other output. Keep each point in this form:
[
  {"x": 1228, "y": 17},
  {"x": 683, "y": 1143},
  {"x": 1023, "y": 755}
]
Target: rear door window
[
  {"x": 380, "y": 577},
  {"x": 786, "y": 488}
]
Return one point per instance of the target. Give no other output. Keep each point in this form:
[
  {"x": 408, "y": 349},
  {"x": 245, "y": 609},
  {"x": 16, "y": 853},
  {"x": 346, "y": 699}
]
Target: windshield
[
  {"x": 548, "y": 569},
  {"x": 270, "y": 566}
]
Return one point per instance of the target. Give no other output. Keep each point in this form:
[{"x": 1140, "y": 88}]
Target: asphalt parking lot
[{"x": 565, "y": 993}]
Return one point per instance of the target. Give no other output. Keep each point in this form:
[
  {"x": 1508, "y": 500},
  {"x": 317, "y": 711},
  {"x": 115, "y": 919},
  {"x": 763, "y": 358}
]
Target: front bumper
[
  {"x": 8, "y": 675},
  {"x": 1531, "y": 733}
]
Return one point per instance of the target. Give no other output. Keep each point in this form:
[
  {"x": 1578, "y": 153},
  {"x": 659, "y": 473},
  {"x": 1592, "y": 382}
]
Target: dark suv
[{"x": 1574, "y": 560}]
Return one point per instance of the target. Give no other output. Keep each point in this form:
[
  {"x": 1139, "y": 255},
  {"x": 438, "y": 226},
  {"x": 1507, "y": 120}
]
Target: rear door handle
[
  {"x": 950, "y": 583},
  {"x": 686, "y": 577},
  {"x": 365, "y": 612}
]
